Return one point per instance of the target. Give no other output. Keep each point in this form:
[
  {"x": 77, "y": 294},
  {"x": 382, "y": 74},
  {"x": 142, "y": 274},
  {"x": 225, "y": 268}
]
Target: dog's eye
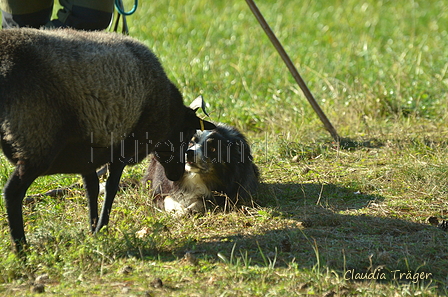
[{"x": 212, "y": 149}]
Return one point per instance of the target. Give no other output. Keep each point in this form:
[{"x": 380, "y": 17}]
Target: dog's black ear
[{"x": 199, "y": 103}]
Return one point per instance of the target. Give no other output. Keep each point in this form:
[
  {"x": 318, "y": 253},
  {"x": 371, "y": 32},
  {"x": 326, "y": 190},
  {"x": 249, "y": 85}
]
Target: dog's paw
[{"x": 179, "y": 209}]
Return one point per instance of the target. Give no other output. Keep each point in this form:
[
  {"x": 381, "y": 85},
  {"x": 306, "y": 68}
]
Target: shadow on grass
[
  {"x": 311, "y": 225},
  {"x": 306, "y": 227},
  {"x": 289, "y": 196}
]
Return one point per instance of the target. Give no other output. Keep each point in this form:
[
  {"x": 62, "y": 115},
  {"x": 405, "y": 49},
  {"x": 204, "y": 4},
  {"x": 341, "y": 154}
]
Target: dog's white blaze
[{"x": 194, "y": 147}]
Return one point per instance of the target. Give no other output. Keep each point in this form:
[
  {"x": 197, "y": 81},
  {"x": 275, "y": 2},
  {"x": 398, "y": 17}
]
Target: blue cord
[{"x": 122, "y": 12}]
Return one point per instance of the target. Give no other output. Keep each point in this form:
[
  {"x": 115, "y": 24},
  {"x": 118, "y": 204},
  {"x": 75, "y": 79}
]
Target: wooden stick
[{"x": 293, "y": 70}]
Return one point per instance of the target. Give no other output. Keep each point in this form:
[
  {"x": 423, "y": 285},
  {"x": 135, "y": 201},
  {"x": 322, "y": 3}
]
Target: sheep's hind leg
[
  {"x": 14, "y": 192},
  {"x": 92, "y": 186},
  {"x": 112, "y": 184}
]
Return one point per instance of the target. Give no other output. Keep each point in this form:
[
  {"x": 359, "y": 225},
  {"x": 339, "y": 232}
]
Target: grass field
[{"x": 328, "y": 221}]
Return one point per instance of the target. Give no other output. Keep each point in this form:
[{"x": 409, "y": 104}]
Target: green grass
[{"x": 379, "y": 71}]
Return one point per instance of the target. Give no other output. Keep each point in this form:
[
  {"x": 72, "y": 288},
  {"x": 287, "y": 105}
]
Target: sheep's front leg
[
  {"x": 112, "y": 184},
  {"x": 15, "y": 190},
  {"x": 92, "y": 186}
]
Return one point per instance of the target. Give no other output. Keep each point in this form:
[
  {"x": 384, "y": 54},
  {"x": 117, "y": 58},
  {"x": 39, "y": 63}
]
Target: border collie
[{"x": 218, "y": 170}]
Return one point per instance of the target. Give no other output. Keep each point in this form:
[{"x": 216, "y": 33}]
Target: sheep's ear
[
  {"x": 199, "y": 103},
  {"x": 206, "y": 125},
  {"x": 194, "y": 122},
  {"x": 203, "y": 125}
]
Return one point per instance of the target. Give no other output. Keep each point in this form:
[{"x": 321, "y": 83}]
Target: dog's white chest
[{"x": 190, "y": 199}]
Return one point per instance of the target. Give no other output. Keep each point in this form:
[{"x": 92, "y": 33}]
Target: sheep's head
[{"x": 171, "y": 153}]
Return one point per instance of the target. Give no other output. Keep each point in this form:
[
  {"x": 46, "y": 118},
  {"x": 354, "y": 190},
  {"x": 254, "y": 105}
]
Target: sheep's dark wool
[
  {"x": 72, "y": 101},
  {"x": 219, "y": 171}
]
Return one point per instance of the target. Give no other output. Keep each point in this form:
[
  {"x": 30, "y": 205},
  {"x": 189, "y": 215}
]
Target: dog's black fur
[{"x": 218, "y": 170}]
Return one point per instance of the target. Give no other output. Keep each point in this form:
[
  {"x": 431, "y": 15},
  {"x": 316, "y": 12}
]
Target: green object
[{"x": 120, "y": 9}]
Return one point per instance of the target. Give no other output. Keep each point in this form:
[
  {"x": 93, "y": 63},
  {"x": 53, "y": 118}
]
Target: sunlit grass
[{"x": 379, "y": 71}]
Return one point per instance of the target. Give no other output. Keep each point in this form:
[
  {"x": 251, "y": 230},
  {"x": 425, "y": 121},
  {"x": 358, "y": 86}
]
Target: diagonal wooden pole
[{"x": 293, "y": 70}]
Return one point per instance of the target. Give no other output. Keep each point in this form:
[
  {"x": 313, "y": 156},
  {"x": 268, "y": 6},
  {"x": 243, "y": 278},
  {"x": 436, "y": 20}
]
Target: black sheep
[{"x": 71, "y": 101}]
